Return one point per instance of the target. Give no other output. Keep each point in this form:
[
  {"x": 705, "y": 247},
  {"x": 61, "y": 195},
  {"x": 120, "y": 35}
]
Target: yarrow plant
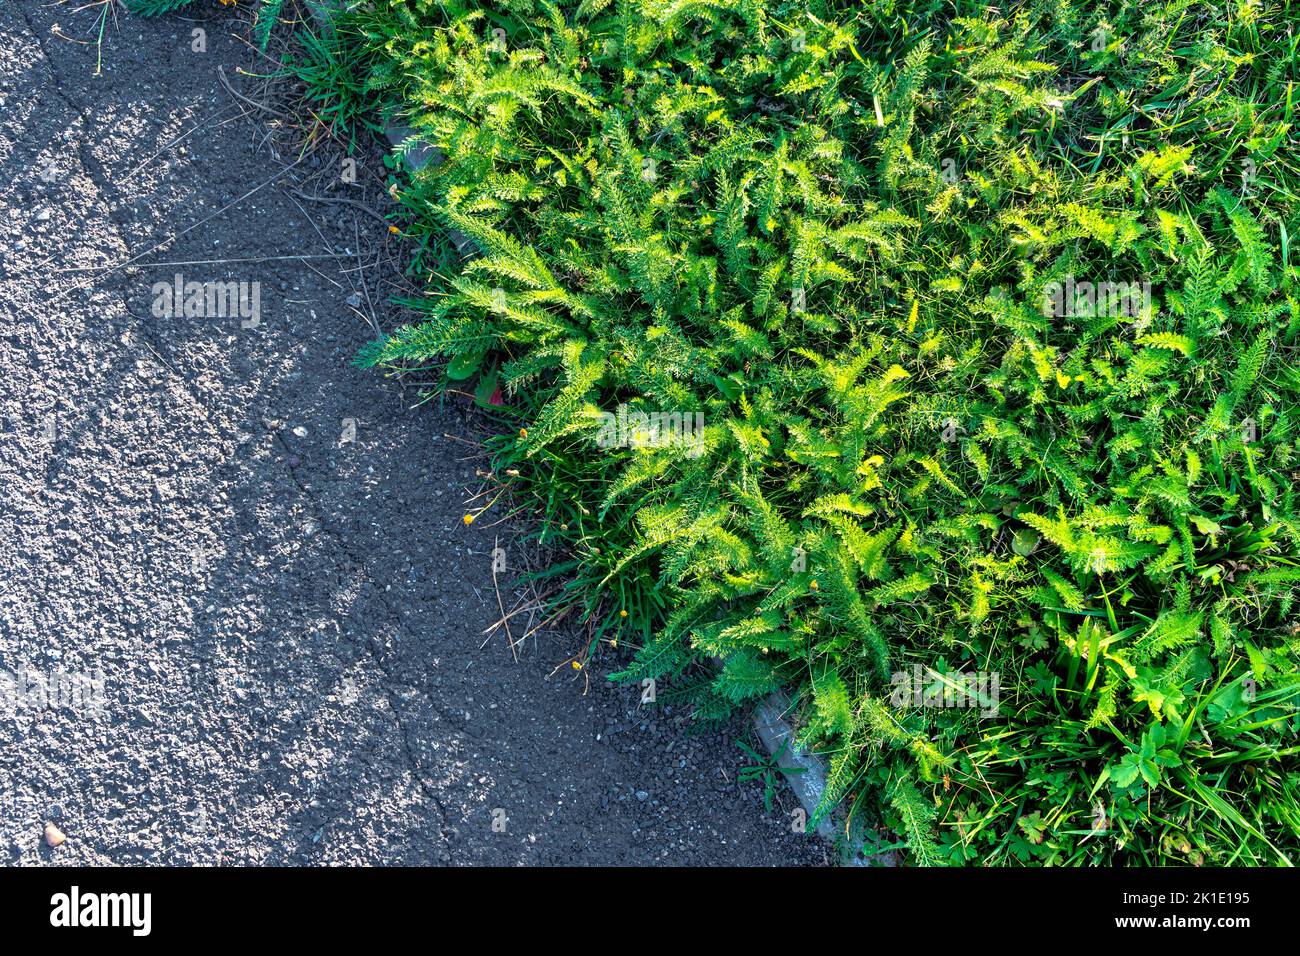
[{"x": 831, "y": 228}]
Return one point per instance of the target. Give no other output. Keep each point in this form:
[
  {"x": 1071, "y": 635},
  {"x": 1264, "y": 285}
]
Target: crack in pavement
[{"x": 359, "y": 569}]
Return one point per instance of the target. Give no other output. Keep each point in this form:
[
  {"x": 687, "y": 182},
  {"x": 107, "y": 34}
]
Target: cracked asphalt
[{"x": 241, "y": 621}]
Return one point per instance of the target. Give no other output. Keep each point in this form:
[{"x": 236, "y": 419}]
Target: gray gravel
[{"x": 271, "y": 636}]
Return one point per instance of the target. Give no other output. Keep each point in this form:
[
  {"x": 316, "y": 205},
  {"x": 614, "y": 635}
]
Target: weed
[{"x": 766, "y": 770}]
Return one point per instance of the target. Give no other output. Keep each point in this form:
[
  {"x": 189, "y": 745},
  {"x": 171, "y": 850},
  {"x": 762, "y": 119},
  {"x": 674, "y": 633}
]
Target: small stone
[
  {"x": 642, "y": 795},
  {"x": 354, "y": 299},
  {"x": 43, "y": 215},
  {"x": 53, "y": 835},
  {"x": 300, "y": 431}
]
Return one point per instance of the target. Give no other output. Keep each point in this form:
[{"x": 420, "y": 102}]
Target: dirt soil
[{"x": 285, "y": 627}]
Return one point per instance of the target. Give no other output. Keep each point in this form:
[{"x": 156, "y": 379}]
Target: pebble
[{"x": 53, "y": 835}]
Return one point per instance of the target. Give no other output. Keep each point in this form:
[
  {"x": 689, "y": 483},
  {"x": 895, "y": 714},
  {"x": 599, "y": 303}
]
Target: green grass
[{"x": 831, "y": 228}]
